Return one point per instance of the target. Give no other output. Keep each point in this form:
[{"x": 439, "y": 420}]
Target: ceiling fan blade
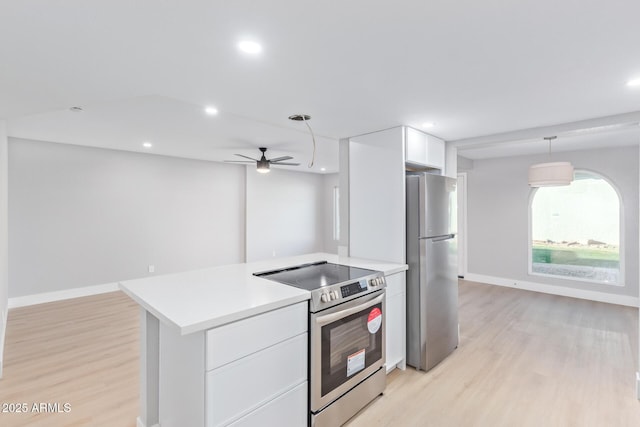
[
  {"x": 286, "y": 164},
  {"x": 239, "y": 161},
  {"x": 279, "y": 159},
  {"x": 247, "y": 157}
]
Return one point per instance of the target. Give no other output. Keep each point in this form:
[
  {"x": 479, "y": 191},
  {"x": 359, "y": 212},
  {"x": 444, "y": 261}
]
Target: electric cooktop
[{"x": 329, "y": 283}]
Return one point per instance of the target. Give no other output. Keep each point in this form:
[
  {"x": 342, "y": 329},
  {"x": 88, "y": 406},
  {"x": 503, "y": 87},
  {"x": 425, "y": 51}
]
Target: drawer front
[
  {"x": 239, "y": 339},
  {"x": 242, "y": 386},
  {"x": 288, "y": 410}
]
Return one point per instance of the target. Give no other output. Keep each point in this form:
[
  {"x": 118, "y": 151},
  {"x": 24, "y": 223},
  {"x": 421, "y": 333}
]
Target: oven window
[{"x": 350, "y": 345}]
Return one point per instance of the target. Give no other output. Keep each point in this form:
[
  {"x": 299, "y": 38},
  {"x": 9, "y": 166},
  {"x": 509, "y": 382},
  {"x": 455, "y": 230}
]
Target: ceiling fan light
[
  {"x": 263, "y": 167},
  {"x": 552, "y": 174}
]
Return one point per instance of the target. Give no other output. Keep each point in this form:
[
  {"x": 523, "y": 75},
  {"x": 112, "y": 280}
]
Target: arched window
[{"x": 575, "y": 231}]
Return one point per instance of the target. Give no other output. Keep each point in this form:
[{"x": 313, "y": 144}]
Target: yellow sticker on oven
[
  {"x": 355, "y": 362},
  {"x": 375, "y": 320}
]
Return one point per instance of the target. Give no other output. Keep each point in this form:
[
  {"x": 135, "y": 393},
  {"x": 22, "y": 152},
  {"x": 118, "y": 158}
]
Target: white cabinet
[
  {"x": 239, "y": 339},
  {"x": 435, "y": 153},
  {"x": 396, "y": 321},
  {"x": 236, "y": 374},
  {"x": 255, "y": 362},
  {"x": 376, "y": 196},
  {"x": 423, "y": 150},
  {"x": 279, "y": 411},
  {"x": 377, "y": 221},
  {"x": 416, "y": 147},
  {"x": 245, "y": 385}
]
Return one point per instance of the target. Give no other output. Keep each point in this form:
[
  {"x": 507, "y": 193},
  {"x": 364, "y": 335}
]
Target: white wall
[
  {"x": 464, "y": 164},
  {"x": 4, "y": 237},
  {"x": 84, "y": 216},
  {"x": 284, "y": 213},
  {"x": 498, "y": 203}
]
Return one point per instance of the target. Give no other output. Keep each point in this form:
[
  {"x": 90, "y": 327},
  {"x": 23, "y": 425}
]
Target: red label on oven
[{"x": 375, "y": 320}]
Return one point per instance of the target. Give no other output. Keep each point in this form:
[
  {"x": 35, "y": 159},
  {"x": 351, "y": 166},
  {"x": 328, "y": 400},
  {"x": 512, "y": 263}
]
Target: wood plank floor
[
  {"x": 83, "y": 352},
  {"x": 525, "y": 359}
]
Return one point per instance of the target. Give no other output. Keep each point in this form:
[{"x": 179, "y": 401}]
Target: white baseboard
[
  {"x": 555, "y": 290},
  {"x": 62, "y": 295}
]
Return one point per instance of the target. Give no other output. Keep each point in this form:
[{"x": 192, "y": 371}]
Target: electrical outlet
[{"x": 152, "y": 269}]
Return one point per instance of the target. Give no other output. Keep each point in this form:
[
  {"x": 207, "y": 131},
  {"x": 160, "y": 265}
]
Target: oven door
[{"x": 347, "y": 345}]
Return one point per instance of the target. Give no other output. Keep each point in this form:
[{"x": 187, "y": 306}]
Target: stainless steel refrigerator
[{"x": 432, "y": 279}]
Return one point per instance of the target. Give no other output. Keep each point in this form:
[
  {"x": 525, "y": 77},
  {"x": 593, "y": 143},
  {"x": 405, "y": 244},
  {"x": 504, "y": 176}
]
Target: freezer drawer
[{"x": 432, "y": 304}]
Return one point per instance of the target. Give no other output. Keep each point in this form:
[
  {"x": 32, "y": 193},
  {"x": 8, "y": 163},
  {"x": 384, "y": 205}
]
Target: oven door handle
[{"x": 328, "y": 318}]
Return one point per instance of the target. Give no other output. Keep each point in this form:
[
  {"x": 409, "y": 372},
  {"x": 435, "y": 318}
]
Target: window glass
[{"x": 575, "y": 230}]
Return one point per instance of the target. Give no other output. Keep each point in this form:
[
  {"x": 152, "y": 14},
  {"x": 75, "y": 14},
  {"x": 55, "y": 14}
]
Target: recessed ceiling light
[
  {"x": 212, "y": 111},
  {"x": 147, "y": 144},
  {"x": 428, "y": 125},
  {"x": 323, "y": 169},
  {"x": 249, "y": 46},
  {"x": 633, "y": 83}
]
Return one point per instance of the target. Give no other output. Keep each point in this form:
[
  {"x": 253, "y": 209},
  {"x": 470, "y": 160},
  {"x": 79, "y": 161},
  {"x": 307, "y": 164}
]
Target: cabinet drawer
[
  {"x": 288, "y": 410},
  {"x": 242, "y": 386},
  {"x": 239, "y": 339}
]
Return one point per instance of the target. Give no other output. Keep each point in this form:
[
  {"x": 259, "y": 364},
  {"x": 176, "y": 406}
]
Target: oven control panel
[
  {"x": 353, "y": 288},
  {"x": 346, "y": 291},
  {"x": 330, "y": 296},
  {"x": 377, "y": 281}
]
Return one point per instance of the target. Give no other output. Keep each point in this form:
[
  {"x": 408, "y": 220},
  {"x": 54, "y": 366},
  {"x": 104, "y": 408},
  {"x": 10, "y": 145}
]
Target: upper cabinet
[
  {"x": 423, "y": 150},
  {"x": 375, "y": 179}
]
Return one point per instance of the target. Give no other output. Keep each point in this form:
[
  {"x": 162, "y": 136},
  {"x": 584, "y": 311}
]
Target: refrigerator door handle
[{"x": 439, "y": 238}]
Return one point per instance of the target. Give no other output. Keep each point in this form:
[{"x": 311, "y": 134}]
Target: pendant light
[
  {"x": 552, "y": 174},
  {"x": 305, "y": 118}
]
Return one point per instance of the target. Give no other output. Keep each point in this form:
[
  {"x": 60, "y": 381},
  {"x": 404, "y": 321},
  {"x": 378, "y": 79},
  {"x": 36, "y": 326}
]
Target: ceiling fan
[{"x": 263, "y": 164}]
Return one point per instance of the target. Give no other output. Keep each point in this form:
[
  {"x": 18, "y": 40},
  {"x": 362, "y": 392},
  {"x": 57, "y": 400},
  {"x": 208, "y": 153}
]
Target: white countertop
[{"x": 197, "y": 300}]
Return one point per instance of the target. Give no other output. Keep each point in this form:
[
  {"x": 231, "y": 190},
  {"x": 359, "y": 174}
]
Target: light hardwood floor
[
  {"x": 83, "y": 352},
  {"x": 525, "y": 359}
]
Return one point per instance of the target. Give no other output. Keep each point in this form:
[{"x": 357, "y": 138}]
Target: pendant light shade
[{"x": 552, "y": 174}]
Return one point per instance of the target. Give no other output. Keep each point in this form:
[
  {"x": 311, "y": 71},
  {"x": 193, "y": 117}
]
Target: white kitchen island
[{"x": 220, "y": 346}]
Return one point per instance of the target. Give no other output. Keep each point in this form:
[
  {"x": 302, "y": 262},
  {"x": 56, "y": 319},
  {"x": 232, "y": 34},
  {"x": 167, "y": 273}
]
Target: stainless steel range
[{"x": 347, "y": 337}]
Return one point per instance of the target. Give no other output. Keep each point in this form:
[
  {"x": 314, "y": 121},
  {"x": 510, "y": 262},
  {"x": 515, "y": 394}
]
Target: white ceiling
[
  {"x": 145, "y": 69},
  {"x": 532, "y": 141},
  {"x": 178, "y": 129}
]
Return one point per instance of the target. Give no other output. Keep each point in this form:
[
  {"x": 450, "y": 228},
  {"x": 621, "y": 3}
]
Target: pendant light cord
[
  {"x": 549, "y": 139},
  {"x": 313, "y": 138}
]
